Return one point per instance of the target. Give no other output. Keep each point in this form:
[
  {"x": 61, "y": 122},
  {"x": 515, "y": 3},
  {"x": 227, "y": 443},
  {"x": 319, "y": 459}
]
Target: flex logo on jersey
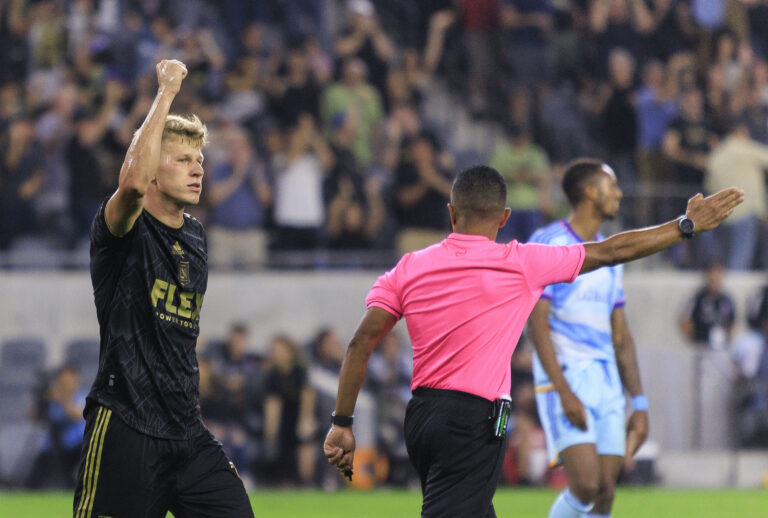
[{"x": 176, "y": 306}]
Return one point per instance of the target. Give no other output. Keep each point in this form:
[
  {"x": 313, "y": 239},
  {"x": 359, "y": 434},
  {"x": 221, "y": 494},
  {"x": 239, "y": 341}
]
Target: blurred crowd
[{"x": 331, "y": 128}]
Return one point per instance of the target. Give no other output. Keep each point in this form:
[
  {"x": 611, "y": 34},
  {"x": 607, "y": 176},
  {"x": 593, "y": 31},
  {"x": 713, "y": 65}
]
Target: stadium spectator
[
  {"x": 422, "y": 186},
  {"x": 326, "y": 353},
  {"x": 239, "y": 196},
  {"x": 708, "y": 317},
  {"x": 90, "y": 157},
  {"x": 21, "y": 179},
  {"x": 656, "y": 106},
  {"x": 296, "y": 89},
  {"x": 618, "y": 116},
  {"x": 481, "y": 20},
  {"x": 687, "y": 144},
  {"x": 364, "y": 39},
  {"x": 289, "y": 422},
  {"x": 61, "y": 412},
  {"x": 237, "y": 377},
  {"x": 526, "y": 169},
  {"x": 750, "y": 355},
  {"x": 353, "y": 97},
  {"x": 739, "y": 159},
  {"x": 299, "y": 211},
  {"x": 389, "y": 379},
  {"x": 254, "y": 64},
  {"x": 528, "y": 25},
  {"x": 354, "y": 222},
  {"x": 618, "y": 24}
]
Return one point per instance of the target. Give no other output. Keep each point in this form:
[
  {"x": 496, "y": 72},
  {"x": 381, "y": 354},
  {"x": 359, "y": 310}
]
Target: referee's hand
[
  {"x": 339, "y": 447},
  {"x": 707, "y": 213}
]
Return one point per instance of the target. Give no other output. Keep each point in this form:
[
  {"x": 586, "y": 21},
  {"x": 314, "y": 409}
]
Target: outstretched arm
[
  {"x": 339, "y": 445},
  {"x": 706, "y": 213},
  {"x": 143, "y": 156}
]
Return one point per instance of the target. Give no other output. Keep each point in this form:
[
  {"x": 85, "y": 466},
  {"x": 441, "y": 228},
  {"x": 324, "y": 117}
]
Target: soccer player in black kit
[{"x": 146, "y": 450}]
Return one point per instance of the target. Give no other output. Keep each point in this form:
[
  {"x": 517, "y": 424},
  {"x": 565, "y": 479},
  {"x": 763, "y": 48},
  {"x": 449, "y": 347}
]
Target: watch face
[{"x": 686, "y": 226}]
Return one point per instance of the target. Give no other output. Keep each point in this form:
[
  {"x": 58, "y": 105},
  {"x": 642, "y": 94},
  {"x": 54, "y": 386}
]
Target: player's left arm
[
  {"x": 339, "y": 445},
  {"x": 626, "y": 360}
]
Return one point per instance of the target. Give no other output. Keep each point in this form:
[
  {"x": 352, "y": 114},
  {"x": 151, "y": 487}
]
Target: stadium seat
[
  {"x": 16, "y": 403},
  {"x": 23, "y": 353},
  {"x": 83, "y": 354},
  {"x": 20, "y": 378}
]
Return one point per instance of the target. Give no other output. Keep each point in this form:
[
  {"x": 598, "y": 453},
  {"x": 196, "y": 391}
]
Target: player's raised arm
[
  {"x": 143, "y": 157},
  {"x": 705, "y": 213}
]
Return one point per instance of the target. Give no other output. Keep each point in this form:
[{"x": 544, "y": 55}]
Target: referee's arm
[
  {"x": 706, "y": 213},
  {"x": 339, "y": 445}
]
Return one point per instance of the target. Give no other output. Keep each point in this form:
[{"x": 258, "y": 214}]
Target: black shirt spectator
[
  {"x": 422, "y": 186},
  {"x": 708, "y": 317}
]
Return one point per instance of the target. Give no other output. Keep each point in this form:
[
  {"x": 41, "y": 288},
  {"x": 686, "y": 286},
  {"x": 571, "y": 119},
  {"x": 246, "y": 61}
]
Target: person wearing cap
[{"x": 466, "y": 300}]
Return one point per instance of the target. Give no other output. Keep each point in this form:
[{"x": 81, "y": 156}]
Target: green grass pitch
[{"x": 517, "y": 503}]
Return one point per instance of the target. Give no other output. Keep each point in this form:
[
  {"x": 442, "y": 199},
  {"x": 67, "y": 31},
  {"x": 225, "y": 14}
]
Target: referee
[
  {"x": 466, "y": 300},
  {"x": 146, "y": 450}
]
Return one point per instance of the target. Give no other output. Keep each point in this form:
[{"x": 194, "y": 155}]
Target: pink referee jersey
[{"x": 466, "y": 300}]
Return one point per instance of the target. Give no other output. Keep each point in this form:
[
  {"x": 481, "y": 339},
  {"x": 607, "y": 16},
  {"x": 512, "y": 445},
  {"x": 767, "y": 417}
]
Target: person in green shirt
[
  {"x": 525, "y": 168},
  {"x": 357, "y": 99}
]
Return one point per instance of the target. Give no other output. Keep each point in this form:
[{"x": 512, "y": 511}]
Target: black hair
[
  {"x": 479, "y": 192},
  {"x": 578, "y": 174}
]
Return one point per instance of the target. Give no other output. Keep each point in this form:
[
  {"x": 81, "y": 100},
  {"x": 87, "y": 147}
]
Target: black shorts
[
  {"x": 450, "y": 442},
  {"x": 126, "y": 474}
]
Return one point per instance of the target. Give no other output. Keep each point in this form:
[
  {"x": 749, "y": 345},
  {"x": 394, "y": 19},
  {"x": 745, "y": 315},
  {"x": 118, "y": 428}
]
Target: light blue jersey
[
  {"x": 580, "y": 329},
  {"x": 580, "y": 312}
]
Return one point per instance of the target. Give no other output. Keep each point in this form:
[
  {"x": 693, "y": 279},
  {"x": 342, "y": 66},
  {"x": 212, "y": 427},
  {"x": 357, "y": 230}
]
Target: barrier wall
[{"x": 58, "y": 307}]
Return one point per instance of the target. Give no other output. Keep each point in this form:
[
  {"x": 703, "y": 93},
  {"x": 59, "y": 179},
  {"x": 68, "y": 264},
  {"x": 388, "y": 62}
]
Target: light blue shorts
[{"x": 599, "y": 388}]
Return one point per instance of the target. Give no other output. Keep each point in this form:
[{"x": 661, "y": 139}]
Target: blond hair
[{"x": 186, "y": 129}]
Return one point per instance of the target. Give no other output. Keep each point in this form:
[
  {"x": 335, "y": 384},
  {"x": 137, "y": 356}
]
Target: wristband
[
  {"x": 341, "y": 420},
  {"x": 640, "y": 403}
]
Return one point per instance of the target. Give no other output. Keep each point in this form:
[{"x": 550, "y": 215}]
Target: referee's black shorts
[
  {"x": 126, "y": 474},
  {"x": 450, "y": 443}
]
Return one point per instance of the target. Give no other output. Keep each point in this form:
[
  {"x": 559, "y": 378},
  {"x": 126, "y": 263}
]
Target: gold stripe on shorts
[
  {"x": 87, "y": 468},
  {"x": 92, "y": 463}
]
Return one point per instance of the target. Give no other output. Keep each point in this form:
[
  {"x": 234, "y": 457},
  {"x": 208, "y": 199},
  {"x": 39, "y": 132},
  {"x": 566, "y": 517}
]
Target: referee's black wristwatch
[
  {"x": 342, "y": 420},
  {"x": 686, "y": 226}
]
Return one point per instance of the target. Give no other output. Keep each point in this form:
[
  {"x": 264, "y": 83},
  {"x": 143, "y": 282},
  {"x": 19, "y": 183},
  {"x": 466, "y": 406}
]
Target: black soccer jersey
[{"x": 149, "y": 286}]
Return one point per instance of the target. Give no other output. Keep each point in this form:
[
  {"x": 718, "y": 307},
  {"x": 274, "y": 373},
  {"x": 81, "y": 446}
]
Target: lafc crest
[{"x": 184, "y": 272}]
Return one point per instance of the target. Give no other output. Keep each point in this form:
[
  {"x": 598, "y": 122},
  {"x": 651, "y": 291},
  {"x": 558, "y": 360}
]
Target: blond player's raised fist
[{"x": 170, "y": 73}]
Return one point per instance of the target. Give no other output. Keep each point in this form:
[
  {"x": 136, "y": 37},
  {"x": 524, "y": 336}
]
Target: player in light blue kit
[{"x": 586, "y": 356}]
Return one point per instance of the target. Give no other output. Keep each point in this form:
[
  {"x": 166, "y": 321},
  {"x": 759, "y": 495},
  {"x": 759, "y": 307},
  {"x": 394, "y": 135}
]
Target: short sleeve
[
  {"x": 548, "y": 293},
  {"x": 618, "y": 297},
  {"x": 550, "y": 264},
  {"x": 385, "y": 295},
  {"x": 100, "y": 234}
]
